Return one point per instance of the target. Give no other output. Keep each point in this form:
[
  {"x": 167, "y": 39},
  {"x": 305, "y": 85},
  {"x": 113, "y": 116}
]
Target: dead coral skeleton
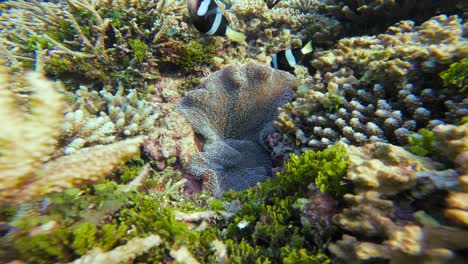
[{"x": 29, "y": 138}]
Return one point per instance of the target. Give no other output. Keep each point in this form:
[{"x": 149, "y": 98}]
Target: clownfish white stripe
[
  {"x": 290, "y": 57},
  {"x": 216, "y": 22},
  {"x": 275, "y": 61},
  {"x": 203, "y": 7}
]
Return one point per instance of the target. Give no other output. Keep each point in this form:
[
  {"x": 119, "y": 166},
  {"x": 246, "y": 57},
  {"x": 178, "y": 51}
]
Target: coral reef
[
  {"x": 173, "y": 138},
  {"x": 398, "y": 53},
  {"x": 456, "y": 75},
  {"x": 231, "y": 115},
  {"x": 285, "y": 219},
  {"x": 247, "y": 165},
  {"x": 29, "y": 138},
  {"x": 398, "y": 211},
  {"x": 112, "y": 221},
  {"x": 102, "y": 118},
  {"x": 385, "y": 168},
  {"x": 375, "y": 15},
  {"x": 89, "y": 42},
  {"x": 269, "y": 31},
  {"x": 377, "y": 88}
]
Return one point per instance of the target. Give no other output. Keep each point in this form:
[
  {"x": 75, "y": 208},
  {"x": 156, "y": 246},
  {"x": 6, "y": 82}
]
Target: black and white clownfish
[
  {"x": 208, "y": 18},
  {"x": 286, "y": 59}
]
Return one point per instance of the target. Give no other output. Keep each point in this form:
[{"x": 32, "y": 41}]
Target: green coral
[
  {"x": 456, "y": 75},
  {"x": 268, "y": 228},
  {"x": 327, "y": 167},
  {"x": 422, "y": 142},
  {"x": 131, "y": 169},
  {"x": 139, "y": 49},
  {"x": 301, "y": 256},
  {"x": 105, "y": 216},
  {"x": 270, "y": 223},
  {"x": 194, "y": 55}
]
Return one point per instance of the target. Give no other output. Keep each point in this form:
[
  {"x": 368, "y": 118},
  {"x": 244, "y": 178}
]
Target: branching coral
[
  {"x": 377, "y": 88},
  {"x": 271, "y": 30},
  {"x": 101, "y": 41},
  {"x": 29, "y": 139},
  {"x": 104, "y": 118},
  {"x": 231, "y": 114}
]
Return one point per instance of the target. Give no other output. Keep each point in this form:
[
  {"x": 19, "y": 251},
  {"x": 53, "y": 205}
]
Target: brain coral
[{"x": 231, "y": 114}]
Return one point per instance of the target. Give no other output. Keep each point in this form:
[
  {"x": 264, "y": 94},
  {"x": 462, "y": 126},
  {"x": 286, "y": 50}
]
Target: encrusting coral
[
  {"x": 29, "y": 139},
  {"x": 405, "y": 207},
  {"x": 231, "y": 114},
  {"x": 377, "y": 88}
]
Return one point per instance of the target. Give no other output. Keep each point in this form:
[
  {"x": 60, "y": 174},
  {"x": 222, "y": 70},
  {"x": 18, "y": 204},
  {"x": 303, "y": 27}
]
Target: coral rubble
[{"x": 231, "y": 114}]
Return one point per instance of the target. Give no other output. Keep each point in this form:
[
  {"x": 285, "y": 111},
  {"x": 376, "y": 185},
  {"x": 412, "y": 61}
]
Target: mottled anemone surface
[{"x": 232, "y": 113}]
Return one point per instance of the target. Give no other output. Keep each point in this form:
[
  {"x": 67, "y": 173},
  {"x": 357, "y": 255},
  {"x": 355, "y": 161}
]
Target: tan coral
[
  {"x": 454, "y": 145},
  {"x": 172, "y": 137},
  {"x": 377, "y": 212},
  {"x": 385, "y": 168},
  {"x": 104, "y": 118},
  {"x": 369, "y": 214},
  {"x": 400, "y": 50},
  {"x": 121, "y": 254},
  {"x": 29, "y": 139}
]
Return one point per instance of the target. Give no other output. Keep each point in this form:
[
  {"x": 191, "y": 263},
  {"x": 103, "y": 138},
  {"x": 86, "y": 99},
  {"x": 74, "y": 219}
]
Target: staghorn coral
[
  {"x": 361, "y": 94},
  {"x": 231, "y": 114},
  {"x": 398, "y": 212},
  {"x": 29, "y": 139},
  {"x": 104, "y": 118},
  {"x": 92, "y": 42}
]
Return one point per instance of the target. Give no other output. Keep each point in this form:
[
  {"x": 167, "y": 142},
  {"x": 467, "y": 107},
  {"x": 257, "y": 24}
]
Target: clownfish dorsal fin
[{"x": 307, "y": 48}]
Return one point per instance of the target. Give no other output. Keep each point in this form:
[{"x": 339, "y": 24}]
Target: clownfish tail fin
[
  {"x": 307, "y": 48},
  {"x": 235, "y": 35}
]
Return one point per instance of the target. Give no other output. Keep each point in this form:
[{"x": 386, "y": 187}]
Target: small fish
[
  {"x": 286, "y": 59},
  {"x": 271, "y": 3},
  {"x": 207, "y": 18}
]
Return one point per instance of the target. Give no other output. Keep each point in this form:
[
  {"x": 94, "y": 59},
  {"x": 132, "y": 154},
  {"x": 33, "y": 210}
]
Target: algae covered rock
[{"x": 231, "y": 114}]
